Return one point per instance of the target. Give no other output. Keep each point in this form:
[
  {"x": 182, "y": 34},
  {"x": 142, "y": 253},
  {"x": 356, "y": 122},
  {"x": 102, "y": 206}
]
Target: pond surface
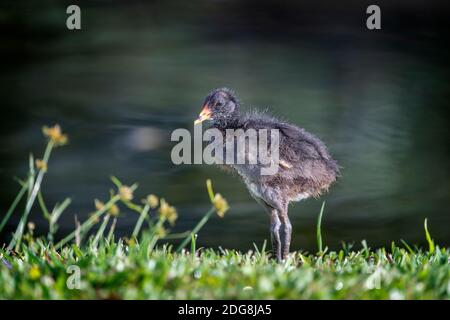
[{"x": 121, "y": 85}]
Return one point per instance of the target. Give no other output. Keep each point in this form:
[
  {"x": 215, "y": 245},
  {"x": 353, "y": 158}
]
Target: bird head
[{"x": 220, "y": 106}]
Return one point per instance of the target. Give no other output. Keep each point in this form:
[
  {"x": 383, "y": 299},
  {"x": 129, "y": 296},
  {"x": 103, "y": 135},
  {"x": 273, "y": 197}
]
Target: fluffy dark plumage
[{"x": 306, "y": 167}]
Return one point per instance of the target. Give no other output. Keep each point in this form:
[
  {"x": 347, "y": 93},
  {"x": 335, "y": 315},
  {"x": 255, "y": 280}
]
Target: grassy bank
[
  {"x": 119, "y": 271},
  {"x": 90, "y": 263}
]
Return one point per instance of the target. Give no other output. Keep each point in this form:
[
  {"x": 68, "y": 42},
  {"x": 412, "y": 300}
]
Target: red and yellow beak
[{"x": 204, "y": 115}]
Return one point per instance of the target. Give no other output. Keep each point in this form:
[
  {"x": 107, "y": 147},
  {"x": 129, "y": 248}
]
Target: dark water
[{"x": 135, "y": 73}]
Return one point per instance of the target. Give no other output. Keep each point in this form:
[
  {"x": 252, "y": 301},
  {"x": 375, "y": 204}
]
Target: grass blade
[
  {"x": 13, "y": 206},
  {"x": 111, "y": 231},
  {"x": 56, "y": 213},
  {"x": 210, "y": 190},
  {"x": 43, "y": 206},
  {"x": 100, "y": 231},
  {"x": 193, "y": 243},
  {"x": 59, "y": 210},
  {"x": 319, "y": 227},
  {"x": 428, "y": 236},
  {"x": 196, "y": 229},
  {"x": 89, "y": 222},
  {"x": 17, "y": 237},
  {"x": 141, "y": 219},
  {"x": 180, "y": 235}
]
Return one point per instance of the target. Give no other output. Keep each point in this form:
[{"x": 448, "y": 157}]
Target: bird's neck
[{"x": 227, "y": 123}]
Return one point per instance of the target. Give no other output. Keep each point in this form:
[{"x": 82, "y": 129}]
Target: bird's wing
[
  {"x": 265, "y": 123},
  {"x": 306, "y": 142}
]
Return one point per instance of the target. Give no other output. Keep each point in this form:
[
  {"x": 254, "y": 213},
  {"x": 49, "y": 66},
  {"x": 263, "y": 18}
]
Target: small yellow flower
[
  {"x": 161, "y": 232},
  {"x": 99, "y": 205},
  {"x": 55, "y": 135},
  {"x": 34, "y": 272},
  {"x": 41, "y": 165},
  {"x": 31, "y": 226},
  {"x": 125, "y": 193},
  {"x": 168, "y": 212},
  {"x": 113, "y": 210},
  {"x": 220, "y": 204},
  {"x": 151, "y": 200},
  {"x": 94, "y": 218}
]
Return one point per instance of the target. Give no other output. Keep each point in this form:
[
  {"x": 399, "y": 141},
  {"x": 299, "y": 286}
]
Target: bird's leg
[
  {"x": 287, "y": 230},
  {"x": 275, "y": 234}
]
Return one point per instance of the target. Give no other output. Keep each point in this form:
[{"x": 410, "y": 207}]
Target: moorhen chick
[{"x": 305, "y": 169}]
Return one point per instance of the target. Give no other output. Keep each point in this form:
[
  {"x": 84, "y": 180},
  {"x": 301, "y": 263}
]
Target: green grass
[
  {"x": 116, "y": 270},
  {"x": 145, "y": 266}
]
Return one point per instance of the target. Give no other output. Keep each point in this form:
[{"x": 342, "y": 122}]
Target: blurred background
[{"x": 140, "y": 69}]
